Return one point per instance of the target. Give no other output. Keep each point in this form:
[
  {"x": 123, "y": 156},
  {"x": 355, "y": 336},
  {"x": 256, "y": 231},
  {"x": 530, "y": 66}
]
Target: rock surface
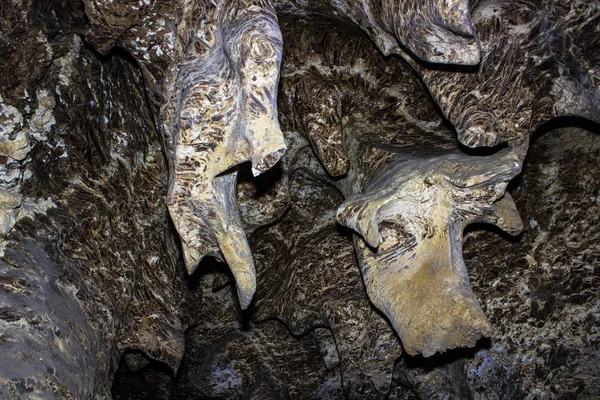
[{"x": 258, "y": 199}]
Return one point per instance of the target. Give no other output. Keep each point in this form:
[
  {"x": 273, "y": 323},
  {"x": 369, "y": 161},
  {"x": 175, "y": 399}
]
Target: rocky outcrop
[
  {"x": 226, "y": 114},
  {"x": 538, "y": 62},
  {"x": 411, "y": 216}
]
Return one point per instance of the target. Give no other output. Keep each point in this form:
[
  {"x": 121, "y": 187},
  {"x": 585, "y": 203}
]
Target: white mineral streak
[{"x": 42, "y": 120}]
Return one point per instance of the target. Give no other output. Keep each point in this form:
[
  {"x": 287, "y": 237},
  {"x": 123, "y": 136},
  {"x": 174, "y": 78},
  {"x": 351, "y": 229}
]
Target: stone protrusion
[
  {"x": 435, "y": 31},
  {"x": 412, "y": 214},
  {"x": 438, "y": 31},
  {"x": 532, "y": 69},
  {"x": 227, "y": 115},
  {"x": 9, "y": 210}
]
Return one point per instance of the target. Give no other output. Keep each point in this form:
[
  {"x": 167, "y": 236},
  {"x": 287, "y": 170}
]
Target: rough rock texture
[
  {"x": 434, "y": 31},
  {"x": 539, "y": 61},
  {"x": 411, "y": 217},
  {"x": 226, "y": 114},
  {"x": 89, "y": 268},
  {"x": 313, "y": 281},
  {"x": 428, "y": 193},
  {"x": 218, "y": 364},
  {"x": 542, "y": 291},
  {"x": 177, "y": 180}
]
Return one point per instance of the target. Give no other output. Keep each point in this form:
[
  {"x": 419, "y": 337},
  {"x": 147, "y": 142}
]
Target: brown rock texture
[{"x": 299, "y": 199}]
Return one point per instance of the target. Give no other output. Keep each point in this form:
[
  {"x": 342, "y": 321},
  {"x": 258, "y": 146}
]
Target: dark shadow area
[
  {"x": 564, "y": 122},
  {"x": 538, "y": 135},
  {"x": 222, "y": 277},
  {"x": 439, "y": 360},
  {"x": 481, "y": 151},
  {"x": 482, "y": 226},
  {"x": 140, "y": 377},
  {"x": 264, "y": 182}
]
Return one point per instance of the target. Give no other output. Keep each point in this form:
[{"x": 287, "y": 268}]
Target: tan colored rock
[
  {"x": 9, "y": 210},
  {"x": 411, "y": 216},
  {"x": 226, "y": 115},
  {"x": 14, "y": 142},
  {"x": 17, "y": 148}
]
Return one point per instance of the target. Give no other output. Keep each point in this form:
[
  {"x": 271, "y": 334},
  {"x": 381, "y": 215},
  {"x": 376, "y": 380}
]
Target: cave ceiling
[{"x": 285, "y": 199}]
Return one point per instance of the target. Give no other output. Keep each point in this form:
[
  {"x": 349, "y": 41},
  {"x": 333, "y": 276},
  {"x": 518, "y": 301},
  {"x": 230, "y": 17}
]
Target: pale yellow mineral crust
[
  {"x": 411, "y": 216},
  {"x": 226, "y": 115}
]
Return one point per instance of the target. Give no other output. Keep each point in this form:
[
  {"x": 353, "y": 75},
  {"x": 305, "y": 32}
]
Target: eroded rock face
[
  {"x": 311, "y": 153},
  {"x": 412, "y": 180},
  {"x": 309, "y": 278},
  {"x": 537, "y": 63},
  {"x": 79, "y": 272},
  {"x": 226, "y": 115},
  {"x": 434, "y": 31},
  {"x": 541, "y": 300},
  {"x": 411, "y": 216}
]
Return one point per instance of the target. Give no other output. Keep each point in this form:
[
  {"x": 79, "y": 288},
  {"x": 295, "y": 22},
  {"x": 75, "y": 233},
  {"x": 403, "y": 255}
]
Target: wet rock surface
[{"x": 266, "y": 199}]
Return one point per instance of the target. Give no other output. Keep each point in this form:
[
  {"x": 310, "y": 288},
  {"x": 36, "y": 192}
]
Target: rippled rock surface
[{"x": 270, "y": 199}]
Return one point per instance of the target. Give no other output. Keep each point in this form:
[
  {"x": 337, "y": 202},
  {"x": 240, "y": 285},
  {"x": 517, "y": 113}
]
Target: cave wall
[
  {"x": 256, "y": 199},
  {"x": 542, "y": 296},
  {"x": 91, "y": 250}
]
